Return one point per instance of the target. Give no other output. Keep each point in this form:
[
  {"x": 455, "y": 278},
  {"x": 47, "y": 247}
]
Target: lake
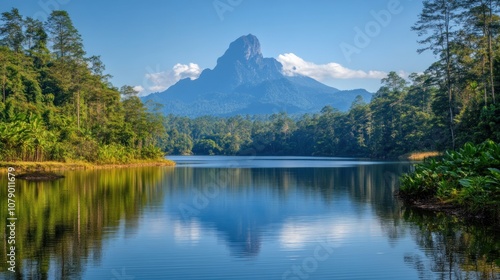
[{"x": 239, "y": 218}]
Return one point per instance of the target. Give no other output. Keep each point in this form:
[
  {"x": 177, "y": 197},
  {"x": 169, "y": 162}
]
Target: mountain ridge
[{"x": 244, "y": 81}]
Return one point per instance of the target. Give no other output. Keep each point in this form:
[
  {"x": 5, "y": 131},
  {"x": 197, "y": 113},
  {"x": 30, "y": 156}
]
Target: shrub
[
  {"x": 152, "y": 152},
  {"x": 113, "y": 154},
  {"x": 469, "y": 177}
]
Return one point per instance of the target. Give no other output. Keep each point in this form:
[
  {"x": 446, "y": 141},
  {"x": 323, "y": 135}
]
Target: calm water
[{"x": 239, "y": 218}]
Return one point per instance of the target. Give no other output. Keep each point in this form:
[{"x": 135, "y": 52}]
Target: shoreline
[
  {"x": 413, "y": 156},
  {"x": 419, "y": 156},
  {"x": 44, "y": 166},
  {"x": 435, "y": 205}
]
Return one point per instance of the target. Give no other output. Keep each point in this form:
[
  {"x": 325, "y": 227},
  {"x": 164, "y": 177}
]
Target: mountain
[{"x": 245, "y": 82}]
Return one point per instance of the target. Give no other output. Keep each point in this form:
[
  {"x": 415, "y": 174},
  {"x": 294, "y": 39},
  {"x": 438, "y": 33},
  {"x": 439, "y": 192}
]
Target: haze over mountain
[{"x": 245, "y": 82}]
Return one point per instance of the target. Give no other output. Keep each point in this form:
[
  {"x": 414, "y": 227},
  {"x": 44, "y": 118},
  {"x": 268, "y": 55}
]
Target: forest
[
  {"x": 57, "y": 103},
  {"x": 451, "y": 103},
  {"x": 464, "y": 35}
]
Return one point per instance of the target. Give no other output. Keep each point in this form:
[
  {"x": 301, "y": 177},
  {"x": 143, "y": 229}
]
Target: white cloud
[
  {"x": 157, "y": 81},
  {"x": 295, "y": 234},
  {"x": 187, "y": 233},
  {"x": 294, "y": 65},
  {"x": 182, "y": 71},
  {"x": 160, "y": 81},
  {"x": 139, "y": 89}
]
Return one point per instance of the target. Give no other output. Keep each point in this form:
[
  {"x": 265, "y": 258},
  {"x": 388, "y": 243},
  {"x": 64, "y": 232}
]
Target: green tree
[
  {"x": 63, "y": 107},
  {"x": 437, "y": 24},
  {"x": 386, "y": 108},
  {"x": 356, "y": 129},
  {"x": 3, "y": 72},
  {"x": 206, "y": 147},
  {"x": 135, "y": 115},
  {"x": 11, "y": 31},
  {"x": 305, "y": 135},
  {"x": 65, "y": 39},
  {"x": 36, "y": 44},
  {"x": 327, "y": 132},
  {"x": 180, "y": 143},
  {"x": 481, "y": 25}
]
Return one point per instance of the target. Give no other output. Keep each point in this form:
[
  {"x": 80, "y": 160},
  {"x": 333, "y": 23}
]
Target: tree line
[
  {"x": 453, "y": 102},
  {"x": 398, "y": 120},
  {"x": 464, "y": 36},
  {"x": 403, "y": 117},
  {"x": 58, "y": 104}
]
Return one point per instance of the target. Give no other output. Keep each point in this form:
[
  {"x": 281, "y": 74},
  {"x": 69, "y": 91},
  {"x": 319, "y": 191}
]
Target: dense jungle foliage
[
  {"x": 464, "y": 34},
  {"x": 57, "y": 104},
  {"x": 468, "y": 177}
]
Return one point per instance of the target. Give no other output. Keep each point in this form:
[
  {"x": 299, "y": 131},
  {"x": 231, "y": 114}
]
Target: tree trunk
[
  {"x": 3, "y": 87},
  {"x": 490, "y": 52},
  {"x": 448, "y": 77},
  {"x": 492, "y": 74},
  {"x": 78, "y": 109},
  {"x": 483, "y": 65}
]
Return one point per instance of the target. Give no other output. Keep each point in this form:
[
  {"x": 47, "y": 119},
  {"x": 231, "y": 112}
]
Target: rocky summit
[{"x": 245, "y": 82}]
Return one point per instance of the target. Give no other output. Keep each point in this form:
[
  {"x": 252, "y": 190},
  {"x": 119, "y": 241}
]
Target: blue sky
[{"x": 150, "y": 44}]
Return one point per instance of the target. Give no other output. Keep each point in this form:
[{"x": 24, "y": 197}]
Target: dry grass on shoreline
[
  {"x": 419, "y": 156},
  {"x": 77, "y": 165}
]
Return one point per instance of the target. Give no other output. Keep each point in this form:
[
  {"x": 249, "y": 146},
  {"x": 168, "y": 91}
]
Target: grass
[
  {"x": 468, "y": 178},
  {"x": 29, "y": 166},
  {"x": 419, "y": 156}
]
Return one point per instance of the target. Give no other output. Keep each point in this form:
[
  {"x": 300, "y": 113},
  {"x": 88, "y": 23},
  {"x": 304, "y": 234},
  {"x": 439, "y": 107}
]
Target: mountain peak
[
  {"x": 245, "y": 48},
  {"x": 244, "y": 82}
]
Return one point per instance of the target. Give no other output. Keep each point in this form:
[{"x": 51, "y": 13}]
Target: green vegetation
[
  {"x": 31, "y": 166},
  {"x": 450, "y": 105},
  {"x": 452, "y": 245},
  {"x": 58, "y": 105},
  {"x": 464, "y": 35},
  {"x": 468, "y": 177},
  {"x": 397, "y": 121},
  {"x": 402, "y": 118},
  {"x": 453, "y": 102},
  {"x": 66, "y": 221}
]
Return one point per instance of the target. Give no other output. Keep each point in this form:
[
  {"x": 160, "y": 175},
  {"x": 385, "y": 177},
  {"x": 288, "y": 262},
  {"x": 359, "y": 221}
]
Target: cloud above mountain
[
  {"x": 294, "y": 65},
  {"x": 160, "y": 81}
]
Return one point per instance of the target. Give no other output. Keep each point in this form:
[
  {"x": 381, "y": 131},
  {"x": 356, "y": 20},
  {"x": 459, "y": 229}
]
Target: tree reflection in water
[
  {"x": 62, "y": 224},
  {"x": 455, "y": 250}
]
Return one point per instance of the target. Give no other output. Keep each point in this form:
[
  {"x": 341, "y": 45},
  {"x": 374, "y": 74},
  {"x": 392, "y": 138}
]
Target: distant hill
[{"x": 245, "y": 82}]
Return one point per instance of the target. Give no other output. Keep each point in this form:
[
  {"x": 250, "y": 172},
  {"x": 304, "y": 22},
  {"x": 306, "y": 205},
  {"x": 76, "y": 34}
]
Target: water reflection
[
  {"x": 253, "y": 201},
  {"x": 62, "y": 224},
  {"x": 239, "y": 223},
  {"x": 452, "y": 249}
]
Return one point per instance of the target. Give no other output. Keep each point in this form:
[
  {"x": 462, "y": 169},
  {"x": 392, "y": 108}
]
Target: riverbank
[
  {"x": 465, "y": 182},
  {"x": 25, "y": 166},
  {"x": 436, "y": 205},
  {"x": 419, "y": 156}
]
